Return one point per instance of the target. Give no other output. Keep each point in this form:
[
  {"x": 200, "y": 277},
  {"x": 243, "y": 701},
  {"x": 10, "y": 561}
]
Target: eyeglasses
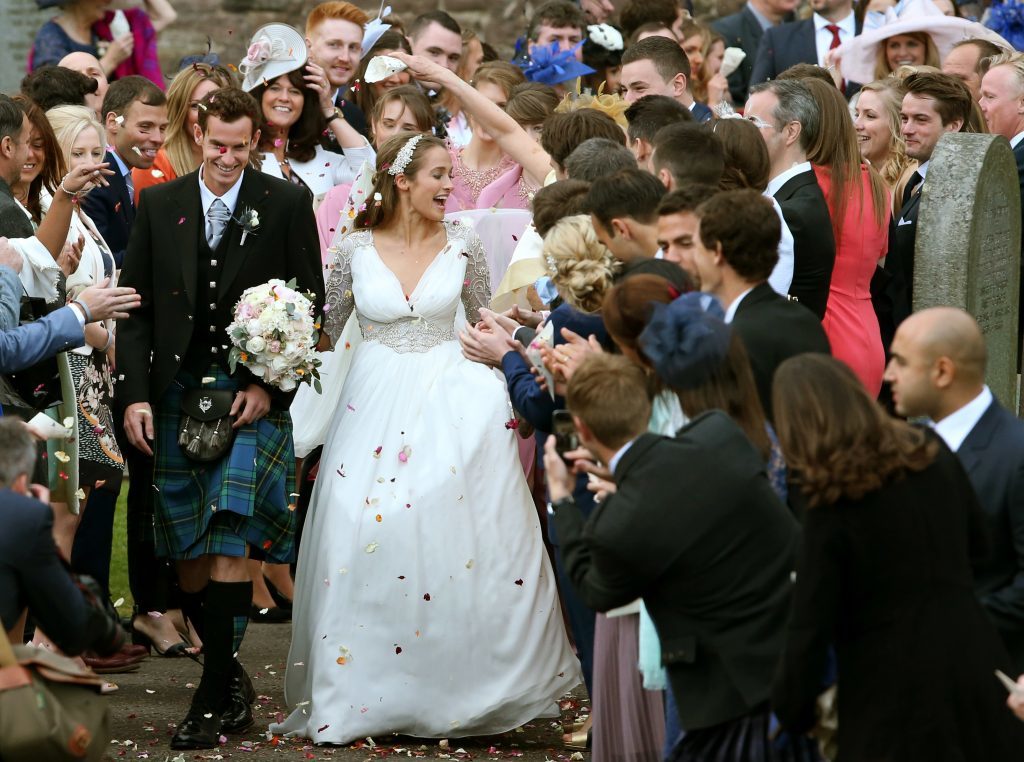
[{"x": 757, "y": 122}]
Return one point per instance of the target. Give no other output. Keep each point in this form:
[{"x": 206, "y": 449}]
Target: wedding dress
[{"x": 424, "y": 600}]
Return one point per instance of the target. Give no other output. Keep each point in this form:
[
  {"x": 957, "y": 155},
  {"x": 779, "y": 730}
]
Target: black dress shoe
[
  {"x": 240, "y": 685},
  {"x": 236, "y": 715},
  {"x": 272, "y": 615},
  {"x": 199, "y": 730}
]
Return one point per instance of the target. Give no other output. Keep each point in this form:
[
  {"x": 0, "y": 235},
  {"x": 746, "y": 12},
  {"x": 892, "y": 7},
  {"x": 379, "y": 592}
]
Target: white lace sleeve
[
  {"x": 339, "y": 298},
  {"x": 476, "y": 288}
]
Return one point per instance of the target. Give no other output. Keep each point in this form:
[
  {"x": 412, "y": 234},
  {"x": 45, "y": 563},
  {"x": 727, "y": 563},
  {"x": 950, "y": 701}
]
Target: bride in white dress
[{"x": 425, "y": 603}]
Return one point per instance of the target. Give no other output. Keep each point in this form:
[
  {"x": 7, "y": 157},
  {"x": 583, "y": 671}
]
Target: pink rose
[
  {"x": 246, "y": 312},
  {"x": 259, "y": 52},
  {"x": 274, "y": 346}
]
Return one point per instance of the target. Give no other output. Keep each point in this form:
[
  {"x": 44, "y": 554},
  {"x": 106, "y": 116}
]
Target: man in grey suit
[{"x": 938, "y": 370}]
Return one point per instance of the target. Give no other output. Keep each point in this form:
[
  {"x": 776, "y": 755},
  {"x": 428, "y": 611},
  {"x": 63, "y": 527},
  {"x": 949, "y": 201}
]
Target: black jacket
[
  {"x": 786, "y": 45},
  {"x": 993, "y": 457},
  {"x": 774, "y": 329},
  {"x": 162, "y": 262},
  {"x": 112, "y": 209},
  {"x": 741, "y": 30},
  {"x": 814, "y": 246},
  {"x": 14, "y": 223},
  {"x": 886, "y": 580},
  {"x": 696, "y": 531},
  {"x": 899, "y": 261}
]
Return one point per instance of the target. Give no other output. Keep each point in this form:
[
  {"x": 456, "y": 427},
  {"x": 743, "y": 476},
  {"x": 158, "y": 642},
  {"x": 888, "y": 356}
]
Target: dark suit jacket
[
  {"x": 161, "y": 264},
  {"x": 696, "y": 531},
  {"x": 899, "y": 261},
  {"x": 1018, "y": 155},
  {"x": 993, "y": 456},
  {"x": 13, "y": 222},
  {"x": 32, "y": 575},
  {"x": 786, "y": 45},
  {"x": 741, "y": 30},
  {"x": 814, "y": 247},
  {"x": 701, "y": 112},
  {"x": 112, "y": 208},
  {"x": 886, "y": 581},
  {"x": 774, "y": 329}
]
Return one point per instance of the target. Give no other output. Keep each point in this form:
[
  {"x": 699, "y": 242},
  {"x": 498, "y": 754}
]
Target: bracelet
[
  {"x": 110, "y": 340},
  {"x": 85, "y": 309},
  {"x": 74, "y": 194}
]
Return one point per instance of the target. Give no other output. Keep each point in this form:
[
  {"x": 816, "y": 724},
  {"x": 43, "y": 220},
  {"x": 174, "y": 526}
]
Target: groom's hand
[
  {"x": 138, "y": 426},
  {"x": 250, "y": 405}
]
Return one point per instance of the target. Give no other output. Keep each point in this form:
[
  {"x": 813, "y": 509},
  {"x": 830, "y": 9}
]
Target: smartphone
[
  {"x": 564, "y": 430},
  {"x": 1009, "y": 683}
]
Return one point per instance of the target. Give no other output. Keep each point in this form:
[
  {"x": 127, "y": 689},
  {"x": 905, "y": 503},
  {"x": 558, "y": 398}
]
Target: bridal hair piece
[{"x": 404, "y": 156}]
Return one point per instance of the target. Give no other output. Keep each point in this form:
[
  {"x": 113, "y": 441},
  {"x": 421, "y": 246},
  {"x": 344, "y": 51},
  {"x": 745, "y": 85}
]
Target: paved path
[{"x": 152, "y": 700}]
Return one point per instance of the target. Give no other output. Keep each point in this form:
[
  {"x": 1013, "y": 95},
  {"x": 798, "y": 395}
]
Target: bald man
[
  {"x": 87, "y": 64},
  {"x": 937, "y": 370}
]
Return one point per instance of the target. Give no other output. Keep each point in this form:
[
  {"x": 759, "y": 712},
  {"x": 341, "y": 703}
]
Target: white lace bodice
[{"x": 362, "y": 282}]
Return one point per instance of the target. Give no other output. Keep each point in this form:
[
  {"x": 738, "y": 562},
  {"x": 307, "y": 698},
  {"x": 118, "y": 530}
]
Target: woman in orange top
[{"x": 180, "y": 153}]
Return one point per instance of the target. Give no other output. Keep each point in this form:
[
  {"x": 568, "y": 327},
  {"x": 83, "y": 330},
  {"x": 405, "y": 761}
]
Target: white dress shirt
[
  {"x": 207, "y": 196},
  {"x": 823, "y": 37},
  {"x": 1015, "y": 140},
  {"x": 730, "y": 311},
  {"x": 782, "y": 274},
  {"x": 784, "y": 177},
  {"x": 955, "y": 427},
  {"x": 617, "y": 457}
]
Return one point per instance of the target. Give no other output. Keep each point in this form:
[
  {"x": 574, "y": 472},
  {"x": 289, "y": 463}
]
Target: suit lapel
[
  {"x": 187, "y": 227},
  {"x": 251, "y": 195},
  {"x": 635, "y": 453},
  {"x": 123, "y": 198},
  {"x": 808, "y": 43},
  {"x": 972, "y": 449}
]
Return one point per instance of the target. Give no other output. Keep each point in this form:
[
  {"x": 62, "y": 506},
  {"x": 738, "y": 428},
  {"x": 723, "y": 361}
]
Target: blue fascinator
[
  {"x": 687, "y": 340},
  {"x": 551, "y": 66},
  {"x": 1007, "y": 19}
]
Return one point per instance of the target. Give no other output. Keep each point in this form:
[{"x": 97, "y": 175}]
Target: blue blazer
[
  {"x": 23, "y": 346},
  {"x": 701, "y": 112},
  {"x": 112, "y": 208},
  {"x": 786, "y": 45},
  {"x": 993, "y": 457}
]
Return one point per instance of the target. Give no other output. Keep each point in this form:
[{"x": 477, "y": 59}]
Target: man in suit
[
  {"x": 734, "y": 261},
  {"x": 789, "y": 121},
  {"x": 14, "y": 149},
  {"x": 744, "y": 29},
  {"x": 934, "y": 104},
  {"x": 938, "y": 370},
  {"x": 334, "y": 36},
  {"x": 969, "y": 60},
  {"x": 32, "y": 574},
  {"x": 135, "y": 117},
  {"x": 686, "y": 153},
  {"x": 646, "y": 117},
  {"x": 658, "y": 66},
  {"x": 198, "y": 243},
  {"x": 681, "y": 506},
  {"x": 558, "y": 22},
  {"x": 807, "y": 41}
]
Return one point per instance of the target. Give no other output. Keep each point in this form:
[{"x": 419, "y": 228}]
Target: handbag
[
  {"x": 50, "y": 708},
  {"x": 37, "y": 387},
  {"x": 205, "y": 434}
]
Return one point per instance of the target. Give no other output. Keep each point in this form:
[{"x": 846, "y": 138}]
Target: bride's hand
[{"x": 423, "y": 69}]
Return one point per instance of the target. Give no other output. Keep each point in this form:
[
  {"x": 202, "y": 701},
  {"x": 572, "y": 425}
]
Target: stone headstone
[{"x": 967, "y": 251}]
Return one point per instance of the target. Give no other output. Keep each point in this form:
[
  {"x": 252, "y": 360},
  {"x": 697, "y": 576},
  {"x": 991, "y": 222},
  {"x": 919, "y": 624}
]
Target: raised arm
[{"x": 512, "y": 138}]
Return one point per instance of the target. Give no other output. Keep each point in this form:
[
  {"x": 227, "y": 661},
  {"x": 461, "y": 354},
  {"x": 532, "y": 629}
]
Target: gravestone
[{"x": 967, "y": 251}]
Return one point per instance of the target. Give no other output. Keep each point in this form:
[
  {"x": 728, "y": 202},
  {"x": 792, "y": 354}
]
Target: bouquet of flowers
[{"x": 274, "y": 333}]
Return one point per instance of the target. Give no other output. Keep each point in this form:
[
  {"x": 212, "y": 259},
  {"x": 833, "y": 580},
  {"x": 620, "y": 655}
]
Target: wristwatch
[{"x": 336, "y": 115}]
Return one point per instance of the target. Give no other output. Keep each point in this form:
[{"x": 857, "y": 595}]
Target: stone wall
[{"x": 230, "y": 23}]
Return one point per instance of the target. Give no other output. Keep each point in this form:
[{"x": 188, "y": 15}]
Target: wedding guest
[
  {"x": 937, "y": 371},
  {"x": 367, "y": 93},
  {"x": 892, "y": 614},
  {"x": 733, "y": 263},
  {"x": 638, "y": 13},
  {"x": 334, "y": 39},
  {"x": 617, "y": 554},
  {"x": 678, "y": 224},
  {"x": 646, "y": 117},
  {"x": 877, "y": 122},
  {"x": 623, "y": 208},
  {"x": 457, "y": 126},
  {"x": 602, "y": 52},
  {"x": 597, "y": 157},
  {"x": 436, "y": 36},
  {"x": 73, "y": 30},
  {"x": 859, "y": 208},
  {"x": 531, "y": 104},
  {"x": 967, "y": 62},
  {"x": 744, "y": 29},
  {"x": 657, "y": 66},
  {"x": 89, "y": 65},
  {"x": 687, "y": 153},
  {"x": 558, "y": 22},
  {"x": 788, "y": 118},
  {"x": 50, "y": 86},
  {"x": 563, "y": 132}
]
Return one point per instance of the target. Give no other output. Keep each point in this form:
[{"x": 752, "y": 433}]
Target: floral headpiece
[
  {"x": 404, "y": 156},
  {"x": 374, "y": 29},
  {"x": 605, "y": 35},
  {"x": 275, "y": 49},
  {"x": 550, "y": 66}
]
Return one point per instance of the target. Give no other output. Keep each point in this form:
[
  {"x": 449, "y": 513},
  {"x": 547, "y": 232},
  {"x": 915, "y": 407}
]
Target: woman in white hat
[{"x": 295, "y": 100}]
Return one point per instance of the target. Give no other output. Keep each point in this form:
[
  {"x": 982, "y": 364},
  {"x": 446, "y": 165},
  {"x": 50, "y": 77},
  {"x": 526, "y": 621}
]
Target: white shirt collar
[
  {"x": 922, "y": 169},
  {"x": 955, "y": 427},
  {"x": 730, "y": 312},
  {"x": 763, "y": 20},
  {"x": 823, "y": 37},
  {"x": 617, "y": 457},
  {"x": 230, "y": 198},
  {"x": 776, "y": 183},
  {"x": 1015, "y": 140},
  {"x": 848, "y": 24},
  {"x": 121, "y": 166}
]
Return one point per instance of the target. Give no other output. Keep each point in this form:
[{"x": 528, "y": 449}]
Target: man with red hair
[{"x": 334, "y": 36}]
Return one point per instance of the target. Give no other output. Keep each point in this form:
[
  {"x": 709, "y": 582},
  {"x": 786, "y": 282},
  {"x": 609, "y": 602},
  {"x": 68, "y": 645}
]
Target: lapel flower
[{"x": 249, "y": 221}]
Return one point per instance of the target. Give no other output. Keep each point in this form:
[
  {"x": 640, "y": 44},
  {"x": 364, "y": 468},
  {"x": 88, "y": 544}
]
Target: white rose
[
  {"x": 280, "y": 364},
  {"x": 256, "y": 344},
  {"x": 253, "y": 327},
  {"x": 287, "y": 384}
]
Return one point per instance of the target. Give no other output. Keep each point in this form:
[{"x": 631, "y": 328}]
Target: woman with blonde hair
[
  {"x": 581, "y": 267},
  {"x": 180, "y": 153},
  {"x": 858, "y": 203},
  {"x": 878, "y": 128}
]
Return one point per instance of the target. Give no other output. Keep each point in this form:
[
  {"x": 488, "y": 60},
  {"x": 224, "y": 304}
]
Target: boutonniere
[{"x": 249, "y": 221}]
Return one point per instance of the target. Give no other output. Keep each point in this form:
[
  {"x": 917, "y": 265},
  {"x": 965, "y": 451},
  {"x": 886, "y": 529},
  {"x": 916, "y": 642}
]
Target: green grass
[{"x": 119, "y": 555}]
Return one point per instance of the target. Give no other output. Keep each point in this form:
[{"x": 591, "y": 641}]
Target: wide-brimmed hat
[
  {"x": 274, "y": 50},
  {"x": 858, "y": 56}
]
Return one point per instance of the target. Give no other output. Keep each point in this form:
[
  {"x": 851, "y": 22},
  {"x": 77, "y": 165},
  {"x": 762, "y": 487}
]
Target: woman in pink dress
[{"x": 859, "y": 204}]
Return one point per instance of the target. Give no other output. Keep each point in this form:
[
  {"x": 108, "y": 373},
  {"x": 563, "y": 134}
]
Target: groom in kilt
[{"x": 197, "y": 244}]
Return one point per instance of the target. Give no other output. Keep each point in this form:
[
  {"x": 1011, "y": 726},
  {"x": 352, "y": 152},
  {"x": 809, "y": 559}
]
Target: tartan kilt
[{"x": 219, "y": 508}]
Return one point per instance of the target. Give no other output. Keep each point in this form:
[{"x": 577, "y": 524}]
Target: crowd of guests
[{"x": 701, "y": 237}]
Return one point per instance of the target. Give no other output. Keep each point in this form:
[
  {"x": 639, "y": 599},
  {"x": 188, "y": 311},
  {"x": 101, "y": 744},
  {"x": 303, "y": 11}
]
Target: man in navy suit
[
  {"x": 658, "y": 66},
  {"x": 807, "y": 41},
  {"x": 744, "y": 30},
  {"x": 938, "y": 370},
  {"x": 135, "y": 117}
]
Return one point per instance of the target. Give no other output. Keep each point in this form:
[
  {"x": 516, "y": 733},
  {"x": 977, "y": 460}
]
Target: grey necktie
[
  {"x": 216, "y": 220},
  {"x": 131, "y": 186}
]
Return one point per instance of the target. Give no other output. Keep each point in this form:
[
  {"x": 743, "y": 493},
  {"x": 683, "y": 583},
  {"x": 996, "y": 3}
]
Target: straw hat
[
  {"x": 857, "y": 57},
  {"x": 274, "y": 50}
]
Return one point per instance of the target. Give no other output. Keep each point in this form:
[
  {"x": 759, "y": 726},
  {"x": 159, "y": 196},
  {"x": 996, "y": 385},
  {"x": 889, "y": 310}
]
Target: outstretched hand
[{"x": 423, "y": 69}]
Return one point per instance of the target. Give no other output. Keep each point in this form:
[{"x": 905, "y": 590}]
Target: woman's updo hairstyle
[
  {"x": 373, "y": 213},
  {"x": 580, "y": 266}
]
